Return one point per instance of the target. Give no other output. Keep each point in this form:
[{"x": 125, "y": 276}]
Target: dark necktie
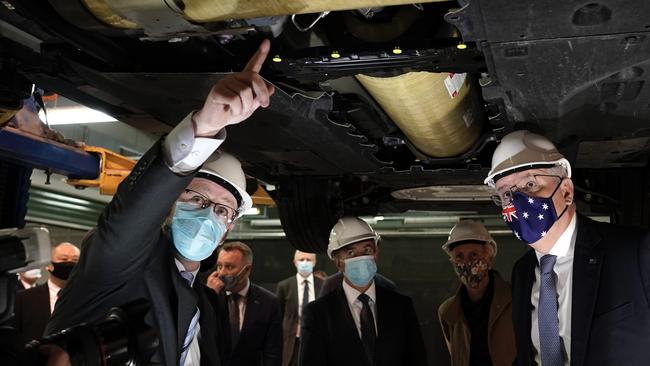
[
  {"x": 548, "y": 323},
  {"x": 305, "y": 296},
  {"x": 233, "y": 315},
  {"x": 368, "y": 333}
]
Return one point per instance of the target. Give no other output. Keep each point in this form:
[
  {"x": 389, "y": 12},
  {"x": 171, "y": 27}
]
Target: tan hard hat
[
  {"x": 349, "y": 230},
  {"x": 225, "y": 170},
  {"x": 521, "y": 150},
  {"x": 468, "y": 231}
]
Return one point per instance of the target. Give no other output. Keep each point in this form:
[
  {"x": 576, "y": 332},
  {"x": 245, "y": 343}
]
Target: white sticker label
[{"x": 454, "y": 82}]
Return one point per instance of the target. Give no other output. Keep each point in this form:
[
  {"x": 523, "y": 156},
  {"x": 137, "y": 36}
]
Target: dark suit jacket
[
  {"x": 287, "y": 293},
  {"x": 610, "y": 315},
  {"x": 130, "y": 258},
  {"x": 329, "y": 337},
  {"x": 32, "y": 311},
  {"x": 334, "y": 281},
  {"x": 260, "y": 339}
]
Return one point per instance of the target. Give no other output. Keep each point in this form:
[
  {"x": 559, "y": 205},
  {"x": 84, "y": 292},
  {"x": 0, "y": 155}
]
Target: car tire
[{"x": 308, "y": 209}]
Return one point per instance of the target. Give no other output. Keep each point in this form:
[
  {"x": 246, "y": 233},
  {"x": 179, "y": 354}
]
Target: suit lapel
[
  {"x": 587, "y": 263},
  {"x": 252, "y": 303},
  {"x": 208, "y": 341},
  {"x": 158, "y": 284},
  {"x": 43, "y": 303},
  {"x": 349, "y": 334},
  {"x": 187, "y": 302},
  {"x": 521, "y": 306}
]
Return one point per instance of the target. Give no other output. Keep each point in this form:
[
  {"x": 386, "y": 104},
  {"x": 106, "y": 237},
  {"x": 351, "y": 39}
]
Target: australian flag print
[{"x": 529, "y": 218}]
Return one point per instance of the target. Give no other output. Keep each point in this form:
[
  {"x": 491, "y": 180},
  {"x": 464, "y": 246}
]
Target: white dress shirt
[
  {"x": 352, "y": 294},
  {"x": 563, "y": 250},
  {"x": 301, "y": 289},
  {"x": 184, "y": 153},
  {"x": 241, "y": 304},
  {"x": 54, "y": 294},
  {"x": 26, "y": 285}
]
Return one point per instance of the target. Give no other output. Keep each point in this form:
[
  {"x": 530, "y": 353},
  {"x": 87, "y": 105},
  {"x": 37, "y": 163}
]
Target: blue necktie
[
  {"x": 548, "y": 323},
  {"x": 189, "y": 336}
]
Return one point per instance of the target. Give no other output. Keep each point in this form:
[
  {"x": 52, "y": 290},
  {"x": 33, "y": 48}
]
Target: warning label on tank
[{"x": 454, "y": 82}]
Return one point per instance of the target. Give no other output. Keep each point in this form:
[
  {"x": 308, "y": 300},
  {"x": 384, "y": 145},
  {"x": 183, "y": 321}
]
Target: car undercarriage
[{"x": 382, "y": 106}]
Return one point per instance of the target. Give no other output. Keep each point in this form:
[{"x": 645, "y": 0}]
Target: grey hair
[{"x": 556, "y": 170}]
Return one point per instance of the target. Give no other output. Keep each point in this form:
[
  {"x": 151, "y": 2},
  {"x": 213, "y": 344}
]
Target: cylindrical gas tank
[{"x": 438, "y": 112}]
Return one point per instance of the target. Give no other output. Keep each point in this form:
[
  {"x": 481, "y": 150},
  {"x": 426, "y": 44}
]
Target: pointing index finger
[{"x": 256, "y": 62}]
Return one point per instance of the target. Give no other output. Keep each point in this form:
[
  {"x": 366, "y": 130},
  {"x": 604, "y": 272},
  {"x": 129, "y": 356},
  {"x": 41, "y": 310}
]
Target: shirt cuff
[{"x": 183, "y": 152}]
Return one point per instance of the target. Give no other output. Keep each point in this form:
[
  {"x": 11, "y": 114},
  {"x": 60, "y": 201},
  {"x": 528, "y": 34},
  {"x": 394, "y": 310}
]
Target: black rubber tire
[{"x": 308, "y": 208}]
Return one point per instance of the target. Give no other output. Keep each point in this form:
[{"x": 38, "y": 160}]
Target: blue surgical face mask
[
  {"x": 360, "y": 270},
  {"x": 196, "y": 233},
  {"x": 305, "y": 268},
  {"x": 530, "y": 218}
]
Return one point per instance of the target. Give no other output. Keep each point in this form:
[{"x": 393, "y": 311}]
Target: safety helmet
[
  {"x": 468, "y": 231},
  {"x": 349, "y": 230},
  {"x": 225, "y": 170},
  {"x": 522, "y": 150}
]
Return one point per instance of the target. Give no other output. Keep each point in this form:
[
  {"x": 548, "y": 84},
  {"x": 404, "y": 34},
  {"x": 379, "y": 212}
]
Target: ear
[
  {"x": 340, "y": 265},
  {"x": 567, "y": 190}
]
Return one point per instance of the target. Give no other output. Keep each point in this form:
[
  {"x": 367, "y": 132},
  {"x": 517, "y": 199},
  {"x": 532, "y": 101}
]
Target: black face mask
[{"x": 62, "y": 269}]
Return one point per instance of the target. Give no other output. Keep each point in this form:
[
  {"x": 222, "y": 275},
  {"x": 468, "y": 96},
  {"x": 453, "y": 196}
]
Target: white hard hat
[
  {"x": 225, "y": 170},
  {"x": 349, "y": 230},
  {"x": 468, "y": 231},
  {"x": 522, "y": 150}
]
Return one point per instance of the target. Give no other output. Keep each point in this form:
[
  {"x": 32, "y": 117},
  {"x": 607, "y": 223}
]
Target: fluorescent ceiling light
[
  {"x": 252, "y": 211},
  {"x": 74, "y": 115}
]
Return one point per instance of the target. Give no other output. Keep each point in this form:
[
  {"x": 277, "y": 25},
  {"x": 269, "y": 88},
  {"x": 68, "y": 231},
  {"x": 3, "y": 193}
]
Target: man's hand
[
  {"x": 214, "y": 282},
  {"x": 235, "y": 97}
]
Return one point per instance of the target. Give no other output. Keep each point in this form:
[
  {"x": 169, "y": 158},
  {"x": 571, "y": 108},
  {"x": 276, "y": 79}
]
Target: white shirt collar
[
  {"x": 302, "y": 279},
  {"x": 565, "y": 244},
  {"x": 351, "y": 293},
  {"x": 181, "y": 268},
  {"x": 54, "y": 289},
  {"x": 243, "y": 292}
]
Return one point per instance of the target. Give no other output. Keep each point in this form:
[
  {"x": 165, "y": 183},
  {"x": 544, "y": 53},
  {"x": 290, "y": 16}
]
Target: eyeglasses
[
  {"x": 531, "y": 185},
  {"x": 199, "y": 201}
]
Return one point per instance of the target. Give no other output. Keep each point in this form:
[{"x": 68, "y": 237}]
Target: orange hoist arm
[{"x": 113, "y": 168}]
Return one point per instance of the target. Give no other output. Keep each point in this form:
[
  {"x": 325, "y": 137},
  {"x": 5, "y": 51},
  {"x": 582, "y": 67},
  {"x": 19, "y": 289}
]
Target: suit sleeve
[
  {"x": 445, "y": 330},
  {"x": 313, "y": 350},
  {"x": 273, "y": 341},
  {"x": 417, "y": 352}
]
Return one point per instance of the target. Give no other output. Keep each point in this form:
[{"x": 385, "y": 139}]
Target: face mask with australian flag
[{"x": 530, "y": 218}]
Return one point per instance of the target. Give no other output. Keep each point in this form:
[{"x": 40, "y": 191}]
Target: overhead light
[
  {"x": 379, "y": 218},
  {"x": 74, "y": 115},
  {"x": 252, "y": 211},
  {"x": 446, "y": 193}
]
